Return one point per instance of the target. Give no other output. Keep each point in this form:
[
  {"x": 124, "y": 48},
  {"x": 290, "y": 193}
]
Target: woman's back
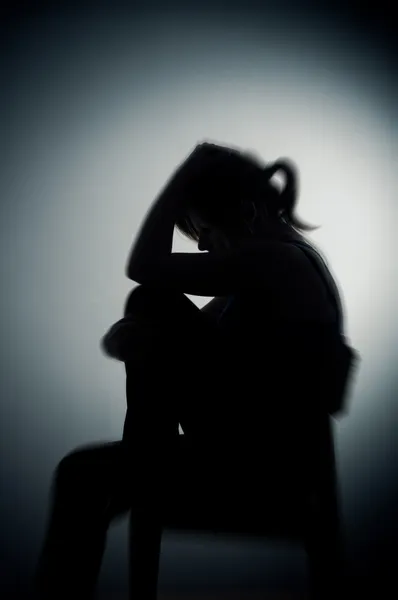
[
  {"x": 304, "y": 292},
  {"x": 261, "y": 373}
]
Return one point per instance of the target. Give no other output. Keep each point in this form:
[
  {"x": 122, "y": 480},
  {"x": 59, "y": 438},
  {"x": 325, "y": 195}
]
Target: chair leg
[
  {"x": 324, "y": 537},
  {"x": 145, "y": 534},
  {"x": 326, "y": 581},
  {"x": 325, "y": 552}
]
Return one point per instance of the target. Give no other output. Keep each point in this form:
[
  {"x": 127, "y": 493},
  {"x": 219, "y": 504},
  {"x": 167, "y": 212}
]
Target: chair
[{"x": 310, "y": 515}]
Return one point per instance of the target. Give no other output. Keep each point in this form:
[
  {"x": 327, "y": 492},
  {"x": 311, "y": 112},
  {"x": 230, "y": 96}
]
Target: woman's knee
[
  {"x": 84, "y": 462},
  {"x": 69, "y": 469},
  {"x": 144, "y": 299},
  {"x": 158, "y": 303}
]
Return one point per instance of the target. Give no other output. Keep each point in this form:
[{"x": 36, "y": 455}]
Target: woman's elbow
[
  {"x": 111, "y": 343},
  {"x": 109, "y": 348}
]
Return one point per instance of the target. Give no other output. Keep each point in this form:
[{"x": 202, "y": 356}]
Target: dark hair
[{"x": 236, "y": 192}]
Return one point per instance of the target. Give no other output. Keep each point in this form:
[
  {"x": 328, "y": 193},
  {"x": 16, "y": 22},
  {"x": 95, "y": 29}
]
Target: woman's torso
[{"x": 255, "y": 369}]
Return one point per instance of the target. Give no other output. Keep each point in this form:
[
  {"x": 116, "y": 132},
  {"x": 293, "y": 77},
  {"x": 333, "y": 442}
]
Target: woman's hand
[{"x": 198, "y": 161}]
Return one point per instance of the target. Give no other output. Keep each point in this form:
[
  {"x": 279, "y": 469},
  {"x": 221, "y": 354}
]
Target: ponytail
[{"x": 284, "y": 202}]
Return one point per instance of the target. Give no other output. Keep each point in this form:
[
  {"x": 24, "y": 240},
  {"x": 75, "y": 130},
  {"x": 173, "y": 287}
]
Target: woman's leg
[
  {"x": 160, "y": 304},
  {"x": 157, "y": 387},
  {"x": 92, "y": 484},
  {"x": 90, "y": 487}
]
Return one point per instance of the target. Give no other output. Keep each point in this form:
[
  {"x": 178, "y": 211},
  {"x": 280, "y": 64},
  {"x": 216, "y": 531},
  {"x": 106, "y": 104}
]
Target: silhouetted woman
[{"x": 229, "y": 373}]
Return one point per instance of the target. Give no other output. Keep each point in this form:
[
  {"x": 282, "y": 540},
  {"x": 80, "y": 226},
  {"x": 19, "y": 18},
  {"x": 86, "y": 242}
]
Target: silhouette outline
[{"x": 164, "y": 478}]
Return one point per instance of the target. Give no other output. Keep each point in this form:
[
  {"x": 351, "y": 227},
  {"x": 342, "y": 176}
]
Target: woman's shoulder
[
  {"x": 302, "y": 285},
  {"x": 282, "y": 256},
  {"x": 292, "y": 247}
]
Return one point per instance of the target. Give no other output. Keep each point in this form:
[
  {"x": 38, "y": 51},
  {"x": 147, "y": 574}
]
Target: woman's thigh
[
  {"x": 98, "y": 484},
  {"x": 178, "y": 366},
  {"x": 104, "y": 480}
]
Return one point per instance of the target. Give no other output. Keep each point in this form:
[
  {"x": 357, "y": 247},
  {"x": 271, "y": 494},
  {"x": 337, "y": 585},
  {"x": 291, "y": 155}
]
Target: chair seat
[
  {"x": 200, "y": 493},
  {"x": 204, "y": 493},
  {"x": 266, "y": 520}
]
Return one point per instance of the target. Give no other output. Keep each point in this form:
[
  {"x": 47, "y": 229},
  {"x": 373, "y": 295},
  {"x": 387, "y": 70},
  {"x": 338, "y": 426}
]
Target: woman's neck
[{"x": 274, "y": 230}]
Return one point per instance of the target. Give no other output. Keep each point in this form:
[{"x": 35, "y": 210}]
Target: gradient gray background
[{"x": 98, "y": 108}]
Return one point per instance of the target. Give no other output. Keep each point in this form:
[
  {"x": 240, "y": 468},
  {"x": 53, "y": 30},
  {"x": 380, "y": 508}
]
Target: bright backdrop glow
[{"x": 103, "y": 110}]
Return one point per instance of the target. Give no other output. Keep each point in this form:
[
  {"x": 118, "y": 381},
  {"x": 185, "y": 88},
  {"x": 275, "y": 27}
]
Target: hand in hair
[{"x": 197, "y": 164}]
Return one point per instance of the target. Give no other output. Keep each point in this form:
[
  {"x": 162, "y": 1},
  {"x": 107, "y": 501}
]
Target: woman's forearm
[{"x": 155, "y": 238}]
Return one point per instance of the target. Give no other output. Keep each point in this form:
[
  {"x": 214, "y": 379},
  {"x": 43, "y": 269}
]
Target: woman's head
[{"x": 235, "y": 199}]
